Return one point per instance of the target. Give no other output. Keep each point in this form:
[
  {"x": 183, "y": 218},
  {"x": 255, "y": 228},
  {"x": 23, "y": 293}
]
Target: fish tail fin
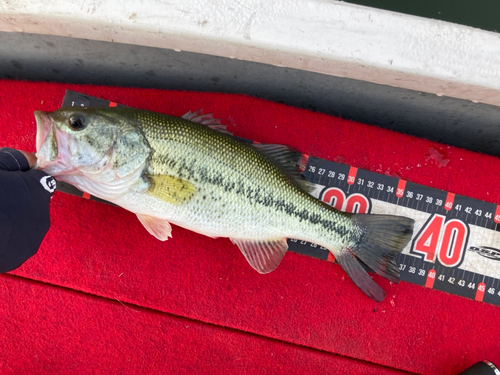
[{"x": 382, "y": 237}]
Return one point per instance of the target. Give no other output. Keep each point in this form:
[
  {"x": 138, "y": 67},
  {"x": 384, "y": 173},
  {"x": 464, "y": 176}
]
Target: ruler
[{"x": 456, "y": 241}]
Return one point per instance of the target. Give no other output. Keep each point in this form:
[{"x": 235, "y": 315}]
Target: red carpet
[{"x": 102, "y": 295}]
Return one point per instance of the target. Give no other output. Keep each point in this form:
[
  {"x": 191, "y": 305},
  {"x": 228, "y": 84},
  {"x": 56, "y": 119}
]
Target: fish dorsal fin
[
  {"x": 263, "y": 256},
  {"x": 171, "y": 189},
  {"x": 159, "y": 228},
  {"x": 206, "y": 119},
  {"x": 288, "y": 159}
]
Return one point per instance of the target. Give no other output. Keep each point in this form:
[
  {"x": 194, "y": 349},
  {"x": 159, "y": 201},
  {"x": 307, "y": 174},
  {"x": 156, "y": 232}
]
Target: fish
[{"x": 191, "y": 172}]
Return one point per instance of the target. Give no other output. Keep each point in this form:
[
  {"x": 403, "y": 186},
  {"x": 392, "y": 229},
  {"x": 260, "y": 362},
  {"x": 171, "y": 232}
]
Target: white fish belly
[{"x": 229, "y": 216}]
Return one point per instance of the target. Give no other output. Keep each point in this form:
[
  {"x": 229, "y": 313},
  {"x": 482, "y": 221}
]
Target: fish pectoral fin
[
  {"x": 359, "y": 276},
  {"x": 263, "y": 256},
  {"x": 171, "y": 189},
  {"x": 159, "y": 228}
]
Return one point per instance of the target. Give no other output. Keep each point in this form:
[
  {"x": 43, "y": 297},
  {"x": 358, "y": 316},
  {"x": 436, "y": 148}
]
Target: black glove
[{"x": 24, "y": 208}]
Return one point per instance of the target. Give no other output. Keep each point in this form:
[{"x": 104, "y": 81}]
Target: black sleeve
[{"x": 24, "y": 209}]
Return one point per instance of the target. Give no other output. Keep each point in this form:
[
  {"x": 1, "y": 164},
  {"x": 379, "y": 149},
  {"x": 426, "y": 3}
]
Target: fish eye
[{"x": 77, "y": 122}]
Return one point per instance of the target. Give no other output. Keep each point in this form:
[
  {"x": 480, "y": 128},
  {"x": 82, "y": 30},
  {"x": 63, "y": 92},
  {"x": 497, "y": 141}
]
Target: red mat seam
[{"x": 133, "y": 305}]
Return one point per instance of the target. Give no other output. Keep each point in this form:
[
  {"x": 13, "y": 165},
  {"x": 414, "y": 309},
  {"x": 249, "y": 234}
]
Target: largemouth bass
[{"x": 188, "y": 172}]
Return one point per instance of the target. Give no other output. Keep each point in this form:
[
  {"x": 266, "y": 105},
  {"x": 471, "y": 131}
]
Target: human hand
[{"x": 30, "y": 156}]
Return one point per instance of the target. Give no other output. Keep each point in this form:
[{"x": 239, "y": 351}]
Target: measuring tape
[{"x": 456, "y": 242}]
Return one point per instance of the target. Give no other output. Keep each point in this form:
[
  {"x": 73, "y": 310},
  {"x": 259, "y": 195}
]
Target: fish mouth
[
  {"x": 49, "y": 159},
  {"x": 44, "y": 128}
]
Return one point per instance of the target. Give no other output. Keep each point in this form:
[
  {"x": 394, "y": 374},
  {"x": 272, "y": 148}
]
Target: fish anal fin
[
  {"x": 159, "y": 228},
  {"x": 263, "y": 256},
  {"x": 359, "y": 276},
  {"x": 170, "y": 189}
]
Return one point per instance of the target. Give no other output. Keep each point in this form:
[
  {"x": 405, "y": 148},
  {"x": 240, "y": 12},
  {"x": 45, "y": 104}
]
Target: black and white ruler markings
[{"x": 456, "y": 242}]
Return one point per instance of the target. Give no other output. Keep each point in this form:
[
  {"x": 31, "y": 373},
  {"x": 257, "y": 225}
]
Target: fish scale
[
  {"x": 168, "y": 170},
  {"x": 226, "y": 171}
]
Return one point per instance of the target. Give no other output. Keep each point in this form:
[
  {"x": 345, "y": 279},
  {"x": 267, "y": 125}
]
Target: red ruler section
[
  {"x": 400, "y": 190},
  {"x": 351, "y": 177}
]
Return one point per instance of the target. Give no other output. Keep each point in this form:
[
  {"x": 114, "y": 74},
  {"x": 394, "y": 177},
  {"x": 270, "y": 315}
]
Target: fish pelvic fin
[
  {"x": 159, "y": 228},
  {"x": 263, "y": 256},
  {"x": 382, "y": 237},
  {"x": 170, "y": 189}
]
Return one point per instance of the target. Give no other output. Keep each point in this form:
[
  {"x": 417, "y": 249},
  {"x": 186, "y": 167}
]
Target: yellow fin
[{"x": 170, "y": 189}]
